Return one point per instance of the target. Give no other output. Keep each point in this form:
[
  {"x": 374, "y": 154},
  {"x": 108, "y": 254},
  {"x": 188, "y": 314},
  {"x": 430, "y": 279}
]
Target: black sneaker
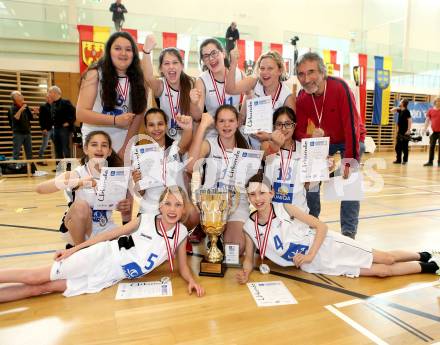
[
  {"x": 397, "y": 162},
  {"x": 428, "y": 164}
]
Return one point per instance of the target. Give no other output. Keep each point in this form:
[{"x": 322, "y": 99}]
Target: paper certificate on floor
[
  {"x": 148, "y": 160},
  {"x": 269, "y": 294},
  {"x": 259, "y": 115},
  {"x": 341, "y": 189},
  {"x": 243, "y": 164},
  {"x": 313, "y": 161},
  {"x": 144, "y": 290},
  {"x": 112, "y": 188}
]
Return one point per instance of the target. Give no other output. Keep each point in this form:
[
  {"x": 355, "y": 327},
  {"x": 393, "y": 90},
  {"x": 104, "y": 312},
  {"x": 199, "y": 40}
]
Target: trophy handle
[{"x": 236, "y": 198}]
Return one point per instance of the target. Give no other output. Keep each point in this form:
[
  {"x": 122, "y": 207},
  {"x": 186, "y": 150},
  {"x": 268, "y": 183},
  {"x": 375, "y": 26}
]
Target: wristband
[{"x": 148, "y": 53}]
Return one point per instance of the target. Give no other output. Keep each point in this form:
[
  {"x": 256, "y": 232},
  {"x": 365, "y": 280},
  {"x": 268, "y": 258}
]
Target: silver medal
[
  {"x": 102, "y": 220},
  {"x": 172, "y": 132},
  {"x": 264, "y": 269},
  {"x": 164, "y": 280}
]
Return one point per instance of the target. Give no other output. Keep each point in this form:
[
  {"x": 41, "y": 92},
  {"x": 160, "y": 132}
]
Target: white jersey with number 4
[{"x": 338, "y": 254}]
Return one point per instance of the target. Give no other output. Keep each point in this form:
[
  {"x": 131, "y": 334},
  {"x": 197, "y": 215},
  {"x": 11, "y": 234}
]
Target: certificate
[
  {"x": 148, "y": 159},
  {"x": 243, "y": 164},
  {"x": 313, "y": 161},
  {"x": 269, "y": 294},
  {"x": 259, "y": 115},
  {"x": 144, "y": 290},
  {"x": 341, "y": 189},
  {"x": 112, "y": 188}
]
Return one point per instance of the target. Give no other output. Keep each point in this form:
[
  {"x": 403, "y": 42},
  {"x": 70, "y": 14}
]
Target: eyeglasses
[
  {"x": 212, "y": 55},
  {"x": 286, "y": 125}
]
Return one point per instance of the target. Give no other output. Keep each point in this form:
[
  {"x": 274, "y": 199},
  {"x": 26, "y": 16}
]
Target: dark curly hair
[{"x": 109, "y": 81}]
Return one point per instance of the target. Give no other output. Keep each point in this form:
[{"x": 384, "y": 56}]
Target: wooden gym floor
[{"x": 404, "y": 214}]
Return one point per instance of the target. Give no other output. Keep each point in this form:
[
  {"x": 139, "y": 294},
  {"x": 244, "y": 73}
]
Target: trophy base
[{"x": 210, "y": 269}]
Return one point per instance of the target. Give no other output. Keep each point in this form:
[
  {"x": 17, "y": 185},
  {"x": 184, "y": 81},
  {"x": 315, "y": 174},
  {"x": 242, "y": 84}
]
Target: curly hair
[{"x": 109, "y": 81}]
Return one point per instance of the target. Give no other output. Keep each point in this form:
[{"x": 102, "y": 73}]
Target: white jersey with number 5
[{"x": 145, "y": 249}]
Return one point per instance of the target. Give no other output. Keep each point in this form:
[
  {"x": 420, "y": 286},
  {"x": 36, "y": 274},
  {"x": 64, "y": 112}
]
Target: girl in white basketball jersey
[
  {"x": 216, "y": 153},
  {"x": 129, "y": 251},
  {"x": 305, "y": 242},
  {"x": 81, "y": 221},
  {"x": 112, "y": 95},
  {"x": 209, "y": 92},
  {"x": 174, "y": 169},
  {"x": 282, "y": 162},
  {"x": 172, "y": 89},
  {"x": 267, "y": 82}
]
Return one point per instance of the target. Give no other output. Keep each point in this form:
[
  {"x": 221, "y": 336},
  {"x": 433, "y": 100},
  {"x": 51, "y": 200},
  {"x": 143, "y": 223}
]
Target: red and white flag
[{"x": 358, "y": 74}]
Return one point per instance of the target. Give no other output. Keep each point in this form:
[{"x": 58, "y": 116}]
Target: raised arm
[
  {"x": 320, "y": 228},
  {"x": 147, "y": 66},
  {"x": 231, "y": 85},
  {"x": 197, "y": 96},
  {"x": 185, "y": 122},
  {"x": 199, "y": 147}
]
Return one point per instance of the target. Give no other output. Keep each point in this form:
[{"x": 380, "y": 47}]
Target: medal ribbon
[
  {"x": 164, "y": 168},
  {"x": 171, "y": 255},
  {"x": 174, "y": 110},
  {"x": 285, "y": 167},
  {"x": 123, "y": 91},
  {"x": 225, "y": 155},
  {"x": 262, "y": 246},
  {"x": 319, "y": 115},
  {"x": 277, "y": 95},
  {"x": 221, "y": 99}
]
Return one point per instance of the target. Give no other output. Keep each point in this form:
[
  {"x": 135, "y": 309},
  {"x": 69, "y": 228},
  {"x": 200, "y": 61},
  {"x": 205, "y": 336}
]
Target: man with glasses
[{"x": 326, "y": 107}]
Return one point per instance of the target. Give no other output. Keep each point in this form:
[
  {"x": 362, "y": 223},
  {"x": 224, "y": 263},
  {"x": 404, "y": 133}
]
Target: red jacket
[{"x": 340, "y": 120}]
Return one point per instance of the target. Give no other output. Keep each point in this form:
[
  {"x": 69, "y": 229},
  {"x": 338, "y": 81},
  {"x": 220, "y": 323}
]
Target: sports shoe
[
  {"x": 436, "y": 258},
  {"x": 428, "y": 164},
  {"x": 397, "y": 162}
]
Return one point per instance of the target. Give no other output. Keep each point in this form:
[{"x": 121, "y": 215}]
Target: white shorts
[
  {"x": 340, "y": 255},
  {"x": 96, "y": 229},
  {"x": 89, "y": 270}
]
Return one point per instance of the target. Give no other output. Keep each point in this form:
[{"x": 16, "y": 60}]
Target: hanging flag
[
  {"x": 277, "y": 47},
  {"x": 288, "y": 57},
  {"x": 180, "y": 41},
  {"x": 91, "y": 44},
  {"x": 92, "y": 41},
  {"x": 333, "y": 62},
  {"x": 382, "y": 78},
  {"x": 358, "y": 74},
  {"x": 222, "y": 40},
  {"x": 249, "y": 52}
]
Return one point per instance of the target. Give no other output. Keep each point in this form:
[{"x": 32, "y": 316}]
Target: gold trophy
[{"x": 215, "y": 205}]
